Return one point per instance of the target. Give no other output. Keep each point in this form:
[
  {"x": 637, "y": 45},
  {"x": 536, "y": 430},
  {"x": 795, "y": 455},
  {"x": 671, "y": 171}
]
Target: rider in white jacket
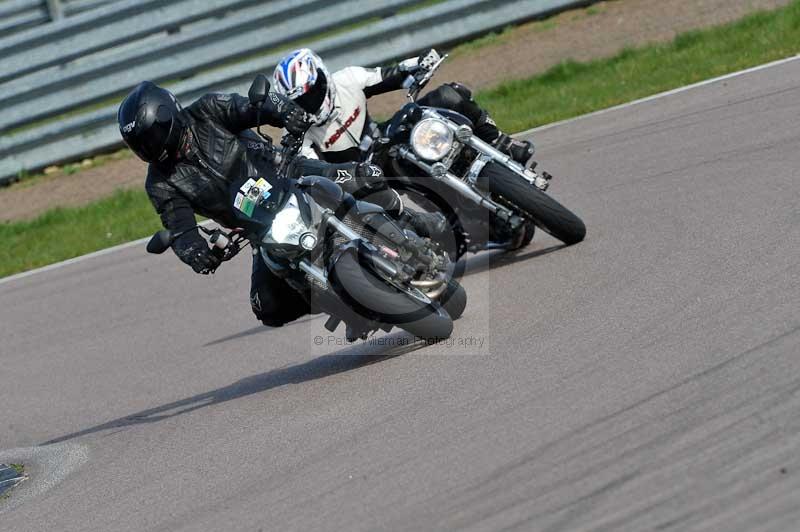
[{"x": 338, "y": 103}]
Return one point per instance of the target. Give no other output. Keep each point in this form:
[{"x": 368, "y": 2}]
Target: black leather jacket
[{"x": 220, "y": 150}]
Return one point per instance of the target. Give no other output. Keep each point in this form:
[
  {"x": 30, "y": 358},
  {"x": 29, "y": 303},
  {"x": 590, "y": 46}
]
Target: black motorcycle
[
  {"x": 490, "y": 200},
  {"x": 347, "y": 257}
]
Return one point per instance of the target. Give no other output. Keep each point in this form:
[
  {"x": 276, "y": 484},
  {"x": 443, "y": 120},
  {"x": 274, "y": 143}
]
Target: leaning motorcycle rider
[
  {"x": 195, "y": 153},
  {"x": 338, "y": 103}
]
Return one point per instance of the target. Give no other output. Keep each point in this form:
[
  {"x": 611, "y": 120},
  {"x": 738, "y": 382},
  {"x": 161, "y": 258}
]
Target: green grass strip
[
  {"x": 63, "y": 233},
  {"x": 566, "y": 90},
  {"x": 572, "y": 89}
]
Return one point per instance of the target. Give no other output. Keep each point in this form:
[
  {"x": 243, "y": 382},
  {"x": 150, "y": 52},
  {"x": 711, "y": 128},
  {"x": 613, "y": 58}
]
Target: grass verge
[
  {"x": 64, "y": 233},
  {"x": 567, "y": 90},
  {"x": 571, "y": 88}
]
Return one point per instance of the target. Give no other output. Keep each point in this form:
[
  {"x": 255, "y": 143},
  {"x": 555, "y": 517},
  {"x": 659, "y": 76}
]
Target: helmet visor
[
  {"x": 150, "y": 143},
  {"x": 312, "y": 100}
]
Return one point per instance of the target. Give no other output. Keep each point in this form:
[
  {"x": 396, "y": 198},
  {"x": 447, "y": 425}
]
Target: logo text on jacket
[{"x": 339, "y": 132}]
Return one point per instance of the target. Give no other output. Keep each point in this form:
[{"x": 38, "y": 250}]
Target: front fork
[
  {"x": 440, "y": 172},
  {"x": 432, "y": 280},
  {"x": 383, "y": 264}
]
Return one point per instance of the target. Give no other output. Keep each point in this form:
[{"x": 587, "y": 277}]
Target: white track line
[{"x": 523, "y": 133}]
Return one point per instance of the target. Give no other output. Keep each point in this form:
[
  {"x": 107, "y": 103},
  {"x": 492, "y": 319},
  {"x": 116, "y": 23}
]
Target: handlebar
[
  {"x": 291, "y": 147},
  {"x": 224, "y": 245}
]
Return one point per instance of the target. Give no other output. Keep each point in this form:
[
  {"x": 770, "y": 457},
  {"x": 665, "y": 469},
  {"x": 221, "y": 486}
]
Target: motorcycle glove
[
  {"x": 197, "y": 255},
  {"x": 428, "y": 59},
  {"x": 293, "y": 117},
  {"x": 423, "y": 62}
]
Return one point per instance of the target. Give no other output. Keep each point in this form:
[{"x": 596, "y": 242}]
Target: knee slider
[
  {"x": 268, "y": 319},
  {"x": 271, "y": 322}
]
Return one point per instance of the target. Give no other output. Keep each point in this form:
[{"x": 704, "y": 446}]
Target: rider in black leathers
[{"x": 197, "y": 152}]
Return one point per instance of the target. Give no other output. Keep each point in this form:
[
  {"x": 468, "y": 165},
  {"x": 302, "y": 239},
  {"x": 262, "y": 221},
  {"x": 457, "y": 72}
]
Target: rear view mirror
[
  {"x": 160, "y": 242},
  {"x": 258, "y": 90}
]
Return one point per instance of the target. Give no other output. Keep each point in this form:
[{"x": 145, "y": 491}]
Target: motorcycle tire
[
  {"x": 545, "y": 211},
  {"x": 373, "y": 297}
]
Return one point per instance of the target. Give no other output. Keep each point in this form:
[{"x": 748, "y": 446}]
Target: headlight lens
[
  {"x": 288, "y": 225},
  {"x": 431, "y": 139}
]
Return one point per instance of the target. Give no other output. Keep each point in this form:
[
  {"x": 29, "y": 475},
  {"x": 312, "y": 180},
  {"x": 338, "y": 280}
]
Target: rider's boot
[{"x": 520, "y": 150}]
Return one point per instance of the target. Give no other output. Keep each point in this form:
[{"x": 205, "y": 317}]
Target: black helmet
[{"x": 151, "y": 123}]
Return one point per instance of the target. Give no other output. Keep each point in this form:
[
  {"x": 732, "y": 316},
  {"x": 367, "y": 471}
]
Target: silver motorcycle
[
  {"x": 490, "y": 200},
  {"x": 347, "y": 257}
]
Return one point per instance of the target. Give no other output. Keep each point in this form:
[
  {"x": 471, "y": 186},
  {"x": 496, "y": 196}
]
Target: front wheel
[
  {"x": 546, "y": 212},
  {"x": 376, "y": 299}
]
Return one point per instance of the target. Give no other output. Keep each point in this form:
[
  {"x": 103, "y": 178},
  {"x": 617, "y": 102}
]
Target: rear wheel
[
  {"x": 376, "y": 299},
  {"x": 546, "y": 212}
]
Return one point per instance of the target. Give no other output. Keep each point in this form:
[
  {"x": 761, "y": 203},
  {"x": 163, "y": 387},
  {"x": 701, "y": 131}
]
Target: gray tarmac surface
[{"x": 646, "y": 379}]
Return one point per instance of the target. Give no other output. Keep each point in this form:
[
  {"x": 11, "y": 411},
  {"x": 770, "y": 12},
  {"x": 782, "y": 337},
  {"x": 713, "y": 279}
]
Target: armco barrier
[
  {"x": 57, "y": 107},
  {"x": 19, "y": 15}
]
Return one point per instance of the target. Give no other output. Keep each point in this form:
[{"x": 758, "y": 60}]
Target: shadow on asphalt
[
  {"x": 474, "y": 264},
  {"x": 350, "y": 358},
  {"x": 256, "y": 330},
  {"x": 489, "y": 260}
]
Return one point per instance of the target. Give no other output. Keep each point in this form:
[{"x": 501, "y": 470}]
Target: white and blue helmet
[{"x": 302, "y": 77}]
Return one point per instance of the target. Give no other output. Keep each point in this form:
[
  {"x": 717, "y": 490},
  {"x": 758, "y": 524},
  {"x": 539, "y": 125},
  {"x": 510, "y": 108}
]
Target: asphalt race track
[{"x": 646, "y": 379}]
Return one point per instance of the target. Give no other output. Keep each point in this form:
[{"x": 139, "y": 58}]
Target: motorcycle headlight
[
  {"x": 431, "y": 139},
  {"x": 288, "y": 225}
]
